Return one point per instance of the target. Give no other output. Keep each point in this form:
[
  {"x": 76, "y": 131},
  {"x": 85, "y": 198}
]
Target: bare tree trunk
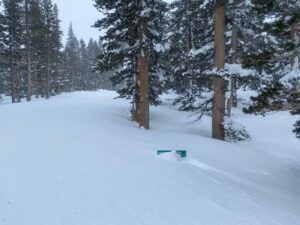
[
  {"x": 29, "y": 77},
  {"x": 293, "y": 37},
  {"x": 143, "y": 76},
  {"x": 294, "y": 55},
  {"x": 189, "y": 36},
  {"x": 140, "y": 108},
  {"x": 234, "y": 43},
  {"x": 135, "y": 101},
  {"x": 144, "y": 90},
  {"x": 135, "y": 111},
  {"x": 35, "y": 77},
  {"x": 47, "y": 85},
  {"x": 18, "y": 83},
  {"x": 15, "y": 94},
  {"x": 13, "y": 80},
  {"x": 28, "y": 51},
  {"x": 42, "y": 85},
  {"x": 58, "y": 78},
  {"x": 219, "y": 82}
]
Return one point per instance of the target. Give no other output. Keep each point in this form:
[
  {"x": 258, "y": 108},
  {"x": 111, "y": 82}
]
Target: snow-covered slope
[{"x": 77, "y": 159}]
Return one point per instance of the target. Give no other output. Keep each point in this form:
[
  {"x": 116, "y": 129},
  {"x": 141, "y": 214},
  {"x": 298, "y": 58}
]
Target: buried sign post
[{"x": 180, "y": 153}]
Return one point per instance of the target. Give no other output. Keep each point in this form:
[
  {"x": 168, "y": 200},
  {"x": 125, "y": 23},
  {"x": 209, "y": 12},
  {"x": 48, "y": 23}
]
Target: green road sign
[{"x": 180, "y": 153}]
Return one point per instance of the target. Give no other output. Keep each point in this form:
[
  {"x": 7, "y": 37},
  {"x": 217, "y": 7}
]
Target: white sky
[{"x": 82, "y": 14}]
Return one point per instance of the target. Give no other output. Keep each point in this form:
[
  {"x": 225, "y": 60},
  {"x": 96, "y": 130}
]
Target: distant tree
[
  {"x": 92, "y": 55},
  {"x": 28, "y": 49},
  {"x": 56, "y": 37},
  {"x": 36, "y": 28},
  {"x": 13, "y": 25},
  {"x": 85, "y": 71},
  {"x": 48, "y": 19},
  {"x": 31, "y": 57},
  {"x": 2, "y": 47},
  {"x": 71, "y": 62}
]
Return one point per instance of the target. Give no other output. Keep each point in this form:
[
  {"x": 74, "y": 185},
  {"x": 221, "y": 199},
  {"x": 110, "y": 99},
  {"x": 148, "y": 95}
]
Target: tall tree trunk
[
  {"x": 135, "y": 101},
  {"x": 13, "y": 80},
  {"x": 144, "y": 90},
  {"x": 294, "y": 56},
  {"x": 28, "y": 52},
  {"x": 47, "y": 86},
  {"x": 14, "y": 75},
  {"x": 234, "y": 43},
  {"x": 18, "y": 84},
  {"x": 58, "y": 78},
  {"x": 189, "y": 36},
  {"x": 293, "y": 38},
  {"x": 35, "y": 77},
  {"x": 219, "y": 82},
  {"x": 143, "y": 75},
  {"x": 29, "y": 77}
]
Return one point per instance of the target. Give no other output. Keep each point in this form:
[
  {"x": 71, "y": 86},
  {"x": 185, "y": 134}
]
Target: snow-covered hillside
[{"x": 77, "y": 159}]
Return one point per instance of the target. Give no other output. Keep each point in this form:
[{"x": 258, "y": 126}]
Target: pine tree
[
  {"x": 295, "y": 100},
  {"x": 190, "y": 54},
  {"x": 284, "y": 58},
  {"x": 2, "y": 23},
  {"x": 71, "y": 80},
  {"x": 48, "y": 22},
  {"x": 284, "y": 29},
  {"x": 36, "y": 26},
  {"x": 84, "y": 64},
  {"x": 28, "y": 50},
  {"x": 13, "y": 25},
  {"x": 92, "y": 55},
  {"x": 30, "y": 40},
  {"x": 133, "y": 32},
  {"x": 2, "y": 46},
  {"x": 94, "y": 80},
  {"x": 241, "y": 27},
  {"x": 56, "y": 37}
]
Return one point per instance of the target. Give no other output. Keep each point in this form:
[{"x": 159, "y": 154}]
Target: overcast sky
[{"x": 82, "y": 14}]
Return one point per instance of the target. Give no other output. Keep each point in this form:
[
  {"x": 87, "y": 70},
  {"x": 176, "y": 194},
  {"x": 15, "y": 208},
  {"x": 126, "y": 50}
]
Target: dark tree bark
[
  {"x": 293, "y": 37},
  {"x": 143, "y": 75},
  {"x": 140, "y": 108},
  {"x": 28, "y": 52},
  {"x": 219, "y": 82},
  {"x": 135, "y": 102},
  {"x": 234, "y": 41},
  {"x": 47, "y": 81},
  {"x": 188, "y": 35}
]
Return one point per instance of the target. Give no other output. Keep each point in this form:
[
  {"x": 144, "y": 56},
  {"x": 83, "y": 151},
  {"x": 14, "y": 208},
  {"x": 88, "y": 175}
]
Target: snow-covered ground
[{"x": 77, "y": 159}]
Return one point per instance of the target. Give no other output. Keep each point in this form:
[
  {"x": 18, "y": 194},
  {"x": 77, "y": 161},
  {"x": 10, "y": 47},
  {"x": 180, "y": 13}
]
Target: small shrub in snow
[
  {"x": 235, "y": 132},
  {"x": 297, "y": 129}
]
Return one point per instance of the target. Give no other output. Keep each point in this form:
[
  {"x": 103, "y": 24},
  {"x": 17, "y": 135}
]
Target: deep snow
[{"x": 77, "y": 159}]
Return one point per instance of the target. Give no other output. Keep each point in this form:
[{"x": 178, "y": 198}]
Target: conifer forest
[{"x": 177, "y": 112}]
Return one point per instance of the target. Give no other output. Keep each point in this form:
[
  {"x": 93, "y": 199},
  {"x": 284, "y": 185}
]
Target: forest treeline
[
  {"x": 204, "y": 50},
  {"x": 33, "y": 60}
]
